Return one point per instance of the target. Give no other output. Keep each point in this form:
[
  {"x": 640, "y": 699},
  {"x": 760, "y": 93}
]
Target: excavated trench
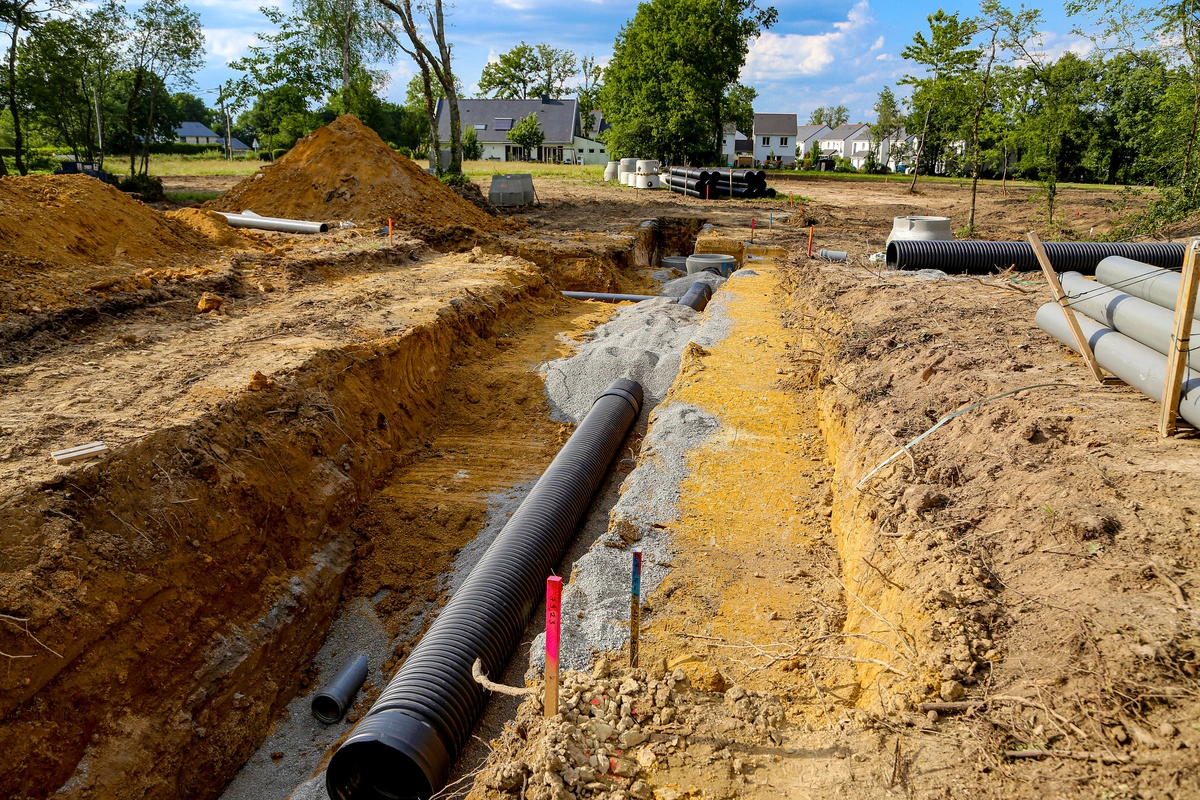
[{"x": 164, "y": 606}]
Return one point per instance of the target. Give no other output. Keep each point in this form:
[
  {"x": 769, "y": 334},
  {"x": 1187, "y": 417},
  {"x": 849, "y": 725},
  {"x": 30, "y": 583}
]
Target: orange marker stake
[
  {"x": 389, "y": 230},
  {"x": 810, "y": 235}
]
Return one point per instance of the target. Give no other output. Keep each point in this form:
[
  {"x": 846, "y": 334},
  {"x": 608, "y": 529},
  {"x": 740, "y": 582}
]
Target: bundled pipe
[
  {"x": 408, "y": 741},
  {"x": 1140, "y": 320},
  {"x": 705, "y": 175},
  {"x": 1154, "y": 285},
  {"x": 981, "y": 258},
  {"x": 697, "y": 296},
  {"x": 1141, "y": 367},
  {"x": 248, "y": 219}
]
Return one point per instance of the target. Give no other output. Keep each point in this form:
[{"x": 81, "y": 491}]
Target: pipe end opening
[
  {"x": 390, "y": 756},
  {"x": 327, "y": 709}
]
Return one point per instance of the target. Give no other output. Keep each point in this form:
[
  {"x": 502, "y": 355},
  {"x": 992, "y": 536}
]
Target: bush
[
  {"x": 405, "y": 151},
  {"x": 264, "y": 155},
  {"x": 843, "y": 165},
  {"x": 455, "y": 179},
  {"x": 150, "y": 188},
  {"x": 276, "y": 154}
]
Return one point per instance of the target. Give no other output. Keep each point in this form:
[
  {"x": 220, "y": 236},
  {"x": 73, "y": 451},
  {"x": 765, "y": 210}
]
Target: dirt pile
[
  {"x": 61, "y": 235},
  {"x": 344, "y": 171}
]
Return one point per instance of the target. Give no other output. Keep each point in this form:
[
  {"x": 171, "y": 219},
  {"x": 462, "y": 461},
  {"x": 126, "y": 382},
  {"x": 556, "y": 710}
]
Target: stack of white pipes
[{"x": 1128, "y": 317}]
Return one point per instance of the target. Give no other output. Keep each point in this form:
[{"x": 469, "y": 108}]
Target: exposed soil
[
  {"x": 344, "y": 171},
  {"x": 333, "y": 430}
]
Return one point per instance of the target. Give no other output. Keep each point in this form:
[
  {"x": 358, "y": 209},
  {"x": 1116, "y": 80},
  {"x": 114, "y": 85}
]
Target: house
[
  {"x": 599, "y": 124},
  {"x": 834, "y": 141},
  {"x": 199, "y": 133},
  {"x": 775, "y": 137},
  {"x": 806, "y": 136},
  {"x": 492, "y": 119},
  {"x": 733, "y": 144}
]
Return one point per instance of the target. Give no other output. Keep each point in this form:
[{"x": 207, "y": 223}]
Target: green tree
[
  {"x": 53, "y": 70},
  {"x": 347, "y": 35},
  {"x": 738, "y": 107},
  {"x": 269, "y": 112},
  {"x": 528, "y": 71},
  {"x": 947, "y": 56},
  {"x": 555, "y": 68},
  {"x": 472, "y": 149},
  {"x": 166, "y": 47},
  {"x": 889, "y": 119},
  {"x": 829, "y": 115},
  {"x": 193, "y": 109},
  {"x": 588, "y": 91},
  {"x": 673, "y": 66},
  {"x": 527, "y": 134},
  {"x": 18, "y": 17}
]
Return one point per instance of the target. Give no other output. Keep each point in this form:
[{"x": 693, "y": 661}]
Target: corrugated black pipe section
[
  {"x": 332, "y": 702},
  {"x": 981, "y": 258},
  {"x": 697, "y": 296},
  {"x": 408, "y": 741},
  {"x": 604, "y": 297}
]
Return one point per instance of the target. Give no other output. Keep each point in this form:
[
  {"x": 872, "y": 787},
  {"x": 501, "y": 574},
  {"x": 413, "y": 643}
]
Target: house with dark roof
[
  {"x": 807, "y": 136},
  {"x": 493, "y": 118},
  {"x": 199, "y": 133},
  {"x": 734, "y": 143},
  {"x": 775, "y": 138}
]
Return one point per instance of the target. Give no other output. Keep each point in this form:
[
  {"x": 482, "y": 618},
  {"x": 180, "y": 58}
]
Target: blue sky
[{"x": 818, "y": 54}]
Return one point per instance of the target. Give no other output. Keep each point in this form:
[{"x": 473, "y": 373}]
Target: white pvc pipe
[
  {"x": 1140, "y": 320},
  {"x": 1158, "y": 286},
  {"x": 248, "y": 219},
  {"x": 1135, "y": 363}
]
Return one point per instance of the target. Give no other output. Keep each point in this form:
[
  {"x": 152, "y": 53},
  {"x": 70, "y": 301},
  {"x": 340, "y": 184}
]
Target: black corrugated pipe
[
  {"x": 605, "y": 297},
  {"x": 332, "y": 702},
  {"x": 749, "y": 177},
  {"x": 681, "y": 188},
  {"x": 408, "y": 741},
  {"x": 981, "y": 258},
  {"x": 697, "y": 296},
  {"x": 697, "y": 174},
  {"x": 686, "y": 183}
]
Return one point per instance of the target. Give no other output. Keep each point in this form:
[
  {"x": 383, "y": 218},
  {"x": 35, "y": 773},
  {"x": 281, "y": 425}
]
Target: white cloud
[
  {"x": 878, "y": 45},
  {"x": 228, "y": 43},
  {"x": 775, "y": 56}
]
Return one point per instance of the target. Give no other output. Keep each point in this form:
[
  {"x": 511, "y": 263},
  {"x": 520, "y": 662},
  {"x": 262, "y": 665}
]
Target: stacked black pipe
[
  {"x": 719, "y": 182},
  {"x": 981, "y": 258},
  {"x": 410, "y": 738}
]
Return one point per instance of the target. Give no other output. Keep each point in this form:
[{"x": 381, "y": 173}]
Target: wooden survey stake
[
  {"x": 553, "y": 629},
  {"x": 1060, "y": 297},
  {"x": 1177, "y": 359}
]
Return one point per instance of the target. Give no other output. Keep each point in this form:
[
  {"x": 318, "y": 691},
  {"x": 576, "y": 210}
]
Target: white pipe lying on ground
[
  {"x": 1140, "y": 320},
  {"x": 248, "y": 219},
  {"x": 1141, "y": 367},
  {"x": 1158, "y": 286}
]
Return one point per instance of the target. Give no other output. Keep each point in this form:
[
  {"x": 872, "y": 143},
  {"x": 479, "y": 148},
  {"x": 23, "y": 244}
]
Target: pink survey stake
[{"x": 553, "y": 620}]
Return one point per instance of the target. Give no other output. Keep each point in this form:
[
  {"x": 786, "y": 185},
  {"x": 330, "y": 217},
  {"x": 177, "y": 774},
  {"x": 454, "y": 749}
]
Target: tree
[
  {"x": 738, "y": 107},
  {"x": 166, "y": 47},
  {"x": 472, "y": 149},
  {"x": 555, "y": 68},
  {"x": 832, "y": 116},
  {"x": 192, "y": 109},
  {"x": 527, "y": 134},
  {"x": 529, "y": 71},
  {"x": 588, "y": 91},
  {"x": 946, "y": 55},
  {"x": 347, "y": 34},
  {"x": 270, "y": 110},
  {"x": 16, "y": 18},
  {"x": 673, "y": 66},
  {"x": 432, "y": 65},
  {"x": 889, "y": 119}
]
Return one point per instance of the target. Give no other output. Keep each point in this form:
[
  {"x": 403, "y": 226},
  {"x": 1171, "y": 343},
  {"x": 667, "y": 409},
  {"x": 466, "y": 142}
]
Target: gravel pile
[{"x": 679, "y": 286}]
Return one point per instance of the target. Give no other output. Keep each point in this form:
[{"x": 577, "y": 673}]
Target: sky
[{"x": 817, "y": 54}]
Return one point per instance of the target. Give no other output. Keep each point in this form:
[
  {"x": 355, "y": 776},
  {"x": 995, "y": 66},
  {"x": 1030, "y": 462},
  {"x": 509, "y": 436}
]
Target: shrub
[
  {"x": 277, "y": 154},
  {"x": 264, "y": 155},
  {"x": 405, "y": 151},
  {"x": 149, "y": 187},
  {"x": 843, "y": 165}
]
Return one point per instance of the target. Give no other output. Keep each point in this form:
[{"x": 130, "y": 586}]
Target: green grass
[
  {"x": 175, "y": 165},
  {"x": 591, "y": 173},
  {"x": 187, "y": 198}
]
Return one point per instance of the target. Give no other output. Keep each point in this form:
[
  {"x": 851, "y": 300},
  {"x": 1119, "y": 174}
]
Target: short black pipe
[
  {"x": 331, "y": 703},
  {"x": 609, "y": 298},
  {"x": 698, "y": 174},
  {"x": 697, "y": 296},
  {"x": 409, "y": 740},
  {"x": 981, "y": 258},
  {"x": 687, "y": 183}
]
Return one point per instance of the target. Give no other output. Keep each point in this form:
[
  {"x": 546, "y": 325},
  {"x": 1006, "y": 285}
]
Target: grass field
[{"x": 191, "y": 165}]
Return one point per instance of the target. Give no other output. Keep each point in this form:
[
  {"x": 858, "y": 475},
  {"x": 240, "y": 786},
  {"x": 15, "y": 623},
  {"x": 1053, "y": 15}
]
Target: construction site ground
[{"x": 335, "y": 430}]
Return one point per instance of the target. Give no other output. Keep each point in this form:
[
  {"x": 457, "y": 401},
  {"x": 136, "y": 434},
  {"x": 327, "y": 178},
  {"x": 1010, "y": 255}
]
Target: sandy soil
[{"x": 1037, "y": 554}]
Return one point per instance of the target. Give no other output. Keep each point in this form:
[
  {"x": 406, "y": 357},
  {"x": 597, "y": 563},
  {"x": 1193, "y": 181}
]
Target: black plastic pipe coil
[
  {"x": 697, "y": 296},
  {"x": 981, "y": 258},
  {"x": 408, "y": 741}
]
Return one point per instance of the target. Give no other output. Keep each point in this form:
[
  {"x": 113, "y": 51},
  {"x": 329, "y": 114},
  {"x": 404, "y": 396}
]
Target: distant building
[
  {"x": 492, "y": 119},
  {"x": 807, "y": 136},
  {"x": 775, "y": 137},
  {"x": 834, "y": 141},
  {"x": 199, "y": 133},
  {"x": 734, "y": 143}
]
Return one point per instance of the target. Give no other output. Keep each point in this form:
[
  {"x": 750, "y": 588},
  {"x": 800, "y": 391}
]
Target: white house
[
  {"x": 492, "y": 119},
  {"x": 733, "y": 142},
  {"x": 775, "y": 137},
  {"x": 835, "y": 142},
  {"x": 806, "y": 136}
]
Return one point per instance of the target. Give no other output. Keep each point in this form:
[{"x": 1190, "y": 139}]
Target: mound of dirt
[
  {"x": 344, "y": 171},
  {"x": 211, "y": 226},
  {"x": 62, "y": 236}
]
